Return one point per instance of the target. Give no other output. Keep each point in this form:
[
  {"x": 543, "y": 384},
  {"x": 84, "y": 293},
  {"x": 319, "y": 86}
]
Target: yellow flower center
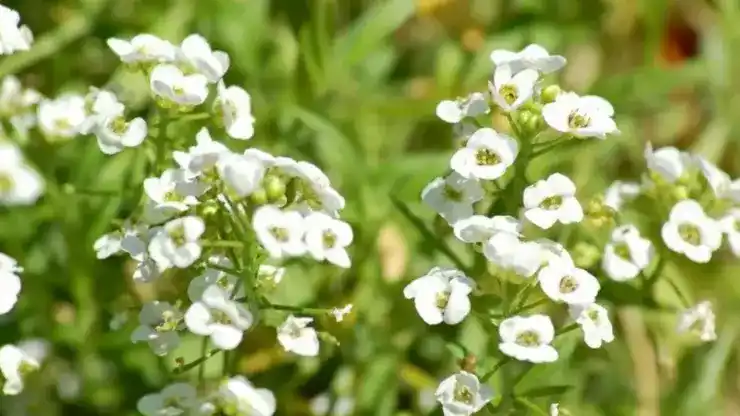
[
  {"x": 462, "y": 394},
  {"x": 509, "y": 93},
  {"x": 177, "y": 234},
  {"x": 118, "y": 125},
  {"x": 452, "y": 194},
  {"x": 578, "y": 121},
  {"x": 568, "y": 284},
  {"x": 487, "y": 157},
  {"x": 6, "y": 183},
  {"x": 329, "y": 239},
  {"x": 621, "y": 250},
  {"x": 552, "y": 203},
  {"x": 528, "y": 339},
  {"x": 690, "y": 233},
  {"x": 443, "y": 298},
  {"x": 280, "y": 234}
]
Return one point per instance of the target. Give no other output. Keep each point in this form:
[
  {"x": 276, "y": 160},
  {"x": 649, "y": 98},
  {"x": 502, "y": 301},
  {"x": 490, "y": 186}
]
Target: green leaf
[
  {"x": 457, "y": 350},
  {"x": 545, "y": 391}
]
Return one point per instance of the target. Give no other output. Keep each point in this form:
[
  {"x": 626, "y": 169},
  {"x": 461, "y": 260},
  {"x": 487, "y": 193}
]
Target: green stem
[
  {"x": 682, "y": 297},
  {"x": 529, "y": 306},
  {"x": 520, "y": 166},
  {"x": 531, "y": 406},
  {"x": 502, "y": 362},
  {"x": 202, "y": 364},
  {"x": 308, "y": 311},
  {"x": 189, "y": 366},
  {"x": 222, "y": 243},
  {"x": 161, "y": 142}
]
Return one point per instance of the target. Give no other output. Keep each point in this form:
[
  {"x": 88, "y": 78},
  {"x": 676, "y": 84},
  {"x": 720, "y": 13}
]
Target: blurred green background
[{"x": 352, "y": 85}]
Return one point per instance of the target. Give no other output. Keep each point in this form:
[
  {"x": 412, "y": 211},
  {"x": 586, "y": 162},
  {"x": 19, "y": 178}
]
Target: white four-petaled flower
[
  {"x": 455, "y": 111},
  {"x": 19, "y": 183},
  {"x": 62, "y": 117},
  {"x": 297, "y": 337},
  {"x": 627, "y": 254},
  {"x": 689, "y": 231},
  {"x": 698, "y": 320},
  {"x": 441, "y": 295},
  {"x": 587, "y": 116},
  {"x": 486, "y": 155},
  {"x": 531, "y": 57},
  {"x": 238, "y": 396},
  {"x": 218, "y": 317},
  {"x": 143, "y": 48},
  {"x": 158, "y": 326},
  {"x": 177, "y": 244},
  {"x": 116, "y": 133},
  {"x": 327, "y": 239},
  {"x": 280, "y": 232},
  {"x": 668, "y": 163},
  {"x": 595, "y": 323},
  {"x": 234, "y": 105},
  {"x": 175, "y": 399},
  {"x": 563, "y": 282},
  {"x": 195, "y": 54},
  {"x": 511, "y": 89},
  {"x": 15, "y": 364},
  {"x": 169, "y": 83},
  {"x": 13, "y": 38},
  {"x": 452, "y": 197},
  {"x": 202, "y": 157},
  {"x": 462, "y": 394},
  {"x": 528, "y": 338},
  {"x": 552, "y": 200}
]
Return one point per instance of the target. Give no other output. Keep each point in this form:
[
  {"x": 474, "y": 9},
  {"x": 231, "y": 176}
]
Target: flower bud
[
  {"x": 258, "y": 197},
  {"x": 534, "y": 124},
  {"x": 585, "y": 255},
  {"x": 598, "y": 213},
  {"x": 524, "y": 116},
  {"x": 274, "y": 187},
  {"x": 550, "y": 93},
  {"x": 468, "y": 363},
  {"x": 680, "y": 192}
]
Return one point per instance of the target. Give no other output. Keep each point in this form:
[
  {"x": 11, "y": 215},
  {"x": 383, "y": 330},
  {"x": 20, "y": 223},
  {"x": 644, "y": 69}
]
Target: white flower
[
  {"x": 227, "y": 282},
  {"x": 730, "y": 225},
  {"x": 668, "y": 163},
  {"x": 511, "y": 89},
  {"x": 698, "y": 320},
  {"x": 297, "y": 337},
  {"x": 452, "y": 197},
  {"x": 234, "y": 105},
  {"x": 528, "y": 338},
  {"x": 479, "y": 228},
  {"x": 17, "y": 103},
  {"x": 552, "y": 200},
  {"x": 563, "y": 282},
  {"x": 462, "y": 394},
  {"x": 173, "y": 191},
  {"x": 15, "y": 364},
  {"x": 143, "y": 48},
  {"x": 100, "y": 105},
  {"x": 218, "y": 317},
  {"x": 196, "y": 53},
  {"x": 270, "y": 275},
  {"x": 112, "y": 243},
  {"x": 62, "y": 117},
  {"x": 107, "y": 245},
  {"x": 175, "y": 399},
  {"x": 719, "y": 181},
  {"x": 587, "y": 116},
  {"x": 10, "y": 286},
  {"x": 689, "y": 231},
  {"x": 453, "y": 112},
  {"x": 627, "y": 254},
  {"x": 115, "y": 134},
  {"x": 169, "y": 83},
  {"x": 177, "y": 244},
  {"x": 619, "y": 192},
  {"x": 594, "y": 321},
  {"x": 242, "y": 174},
  {"x": 280, "y": 232},
  {"x": 202, "y": 157},
  {"x": 241, "y": 398},
  {"x": 340, "y": 313},
  {"x": 316, "y": 187},
  {"x": 441, "y": 295},
  {"x": 158, "y": 326},
  {"x": 554, "y": 409},
  {"x": 532, "y": 57},
  {"x": 508, "y": 251},
  {"x": 486, "y": 155},
  {"x": 327, "y": 239},
  {"x": 19, "y": 184},
  {"x": 12, "y": 37}
]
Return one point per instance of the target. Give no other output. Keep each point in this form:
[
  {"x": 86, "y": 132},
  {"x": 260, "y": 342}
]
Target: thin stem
[
  {"x": 567, "y": 329},
  {"x": 309, "y": 311},
  {"x": 502, "y": 362},
  {"x": 684, "y": 300},
  {"x": 192, "y": 117},
  {"x": 531, "y": 406},
  {"x": 229, "y": 270},
  {"x": 161, "y": 142},
  {"x": 202, "y": 364},
  {"x": 222, "y": 243},
  {"x": 529, "y": 306},
  {"x": 189, "y": 366}
]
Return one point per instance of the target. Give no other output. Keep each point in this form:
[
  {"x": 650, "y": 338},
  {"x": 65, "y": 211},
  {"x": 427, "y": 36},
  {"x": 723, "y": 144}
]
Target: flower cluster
[{"x": 491, "y": 204}]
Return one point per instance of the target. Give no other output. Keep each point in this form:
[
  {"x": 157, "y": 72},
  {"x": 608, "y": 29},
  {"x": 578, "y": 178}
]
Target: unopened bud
[
  {"x": 585, "y": 255},
  {"x": 468, "y": 363},
  {"x": 550, "y": 93},
  {"x": 524, "y": 116},
  {"x": 680, "y": 192},
  {"x": 274, "y": 187},
  {"x": 258, "y": 197},
  {"x": 534, "y": 124}
]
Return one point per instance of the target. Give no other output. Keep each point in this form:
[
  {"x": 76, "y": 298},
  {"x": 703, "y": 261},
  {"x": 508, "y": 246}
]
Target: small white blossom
[
  {"x": 627, "y": 254},
  {"x": 479, "y": 228},
  {"x": 15, "y": 364},
  {"x": 340, "y": 313},
  {"x": 297, "y": 337},
  {"x": 280, "y": 232},
  {"x": 143, "y": 48},
  {"x": 173, "y": 192},
  {"x": 719, "y": 181},
  {"x": 239, "y": 397},
  {"x": 452, "y": 197},
  {"x": 218, "y": 317},
  {"x": 202, "y": 157},
  {"x": 242, "y": 174},
  {"x": 270, "y": 275},
  {"x": 17, "y": 103},
  {"x": 689, "y": 231},
  {"x": 169, "y": 83},
  {"x": 177, "y": 244},
  {"x": 175, "y": 399},
  {"x": 13, "y": 38},
  {"x": 100, "y": 105},
  {"x": 114, "y": 134},
  {"x": 730, "y": 225},
  {"x": 698, "y": 320},
  {"x": 511, "y": 89},
  {"x": 462, "y": 394},
  {"x": 620, "y": 192},
  {"x": 587, "y": 116},
  {"x": 10, "y": 287},
  {"x": 554, "y": 409},
  {"x": 532, "y": 57},
  {"x": 552, "y": 200},
  {"x": 316, "y": 187},
  {"x": 226, "y": 281},
  {"x": 62, "y": 117},
  {"x": 441, "y": 296},
  {"x": 234, "y": 105},
  {"x": 595, "y": 323},
  {"x": 486, "y": 155},
  {"x": 196, "y": 54},
  {"x": 112, "y": 243},
  {"x": 563, "y": 282},
  {"x": 455, "y": 111},
  {"x": 668, "y": 163},
  {"x": 528, "y": 338},
  {"x": 158, "y": 326},
  {"x": 327, "y": 239},
  {"x": 19, "y": 183}
]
